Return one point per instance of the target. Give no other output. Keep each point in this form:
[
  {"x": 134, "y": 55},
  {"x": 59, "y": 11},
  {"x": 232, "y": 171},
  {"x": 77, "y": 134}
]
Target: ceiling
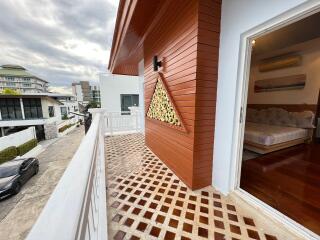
[{"x": 304, "y": 30}]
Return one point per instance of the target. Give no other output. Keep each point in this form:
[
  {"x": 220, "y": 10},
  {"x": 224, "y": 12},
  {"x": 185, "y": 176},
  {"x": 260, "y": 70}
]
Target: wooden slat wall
[
  {"x": 207, "y": 76},
  {"x": 186, "y": 40}
]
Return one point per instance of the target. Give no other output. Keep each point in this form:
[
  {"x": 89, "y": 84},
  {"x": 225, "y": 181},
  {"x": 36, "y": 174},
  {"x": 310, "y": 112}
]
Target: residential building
[
  {"x": 85, "y": 92},
  {"x": 95, "y": 94},
  {"x": 186, "y": 177},
  {"x": 119, "y": 92},
  {"x": 45, "y": 111},
  {"x": 82, "y": 91},
  {"x": 69, "y": 104},
  {"x": 18, "y": 78},
  {"x": 198, "y": 54}
]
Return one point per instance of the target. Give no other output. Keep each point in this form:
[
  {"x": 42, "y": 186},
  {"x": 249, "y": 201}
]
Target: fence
[
  {"x": 122, "y": 122},
  {"x": 77, "y": 209},
  {"x": 18, "y": 138}
]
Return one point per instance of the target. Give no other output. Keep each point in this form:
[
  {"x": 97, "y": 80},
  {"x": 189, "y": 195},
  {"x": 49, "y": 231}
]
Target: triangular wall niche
[{"x": 162, "y": 107}]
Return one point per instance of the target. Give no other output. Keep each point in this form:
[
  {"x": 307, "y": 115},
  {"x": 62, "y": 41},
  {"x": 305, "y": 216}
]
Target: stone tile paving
[
  {"x": 19, "y": 213},
  {"x": 146, "y": 200}
]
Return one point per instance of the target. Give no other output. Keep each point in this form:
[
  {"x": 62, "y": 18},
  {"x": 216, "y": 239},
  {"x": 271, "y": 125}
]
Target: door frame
[{"x": 293, "y": 15}]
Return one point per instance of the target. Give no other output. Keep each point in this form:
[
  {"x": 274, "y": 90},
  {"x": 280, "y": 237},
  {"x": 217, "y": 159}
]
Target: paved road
[{"x": 19, "y": 213}]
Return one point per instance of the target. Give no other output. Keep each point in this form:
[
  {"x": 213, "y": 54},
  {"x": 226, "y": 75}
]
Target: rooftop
[
  {"x": 16, "y": 71},
  {"x": 46, "y": 94}
]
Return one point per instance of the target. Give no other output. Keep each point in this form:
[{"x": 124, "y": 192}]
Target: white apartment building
[
  {"x": 95, "y": 93},
  {"x": 86, "y": 92},
  {"x": 82, "y": 91},
  {"x": 17, "y": 78}
]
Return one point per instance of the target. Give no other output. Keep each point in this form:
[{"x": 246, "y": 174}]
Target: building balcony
[{"x": 116, "y": 188}]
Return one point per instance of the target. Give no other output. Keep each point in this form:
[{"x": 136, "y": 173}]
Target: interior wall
[
  {"x": 237, "y": 17},
  {"x": 308, "y": 95}
]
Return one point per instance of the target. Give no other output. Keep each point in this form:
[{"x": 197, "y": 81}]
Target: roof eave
[
  {"x": 124, "y": 15},
  {"x": 134, "y": 20}
]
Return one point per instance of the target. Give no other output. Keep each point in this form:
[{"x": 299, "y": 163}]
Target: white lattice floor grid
[{"x": 146, "y": 200}]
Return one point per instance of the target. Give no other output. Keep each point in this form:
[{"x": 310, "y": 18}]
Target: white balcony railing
[
  {"x": 122, "y": 122},
  {"x": 77, "y": 207}
]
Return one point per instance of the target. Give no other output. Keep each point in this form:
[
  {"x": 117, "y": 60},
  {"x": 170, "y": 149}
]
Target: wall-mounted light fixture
[{"x": 156, "y": 63}]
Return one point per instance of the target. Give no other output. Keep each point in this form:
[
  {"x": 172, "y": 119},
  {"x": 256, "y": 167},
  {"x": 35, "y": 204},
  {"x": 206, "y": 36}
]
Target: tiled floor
[{"x": 147, "y": 201}]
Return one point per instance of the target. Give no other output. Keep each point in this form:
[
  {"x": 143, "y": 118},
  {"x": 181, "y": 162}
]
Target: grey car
[{"x": 15, "y": 173}]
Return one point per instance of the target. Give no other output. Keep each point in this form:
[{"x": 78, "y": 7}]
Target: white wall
[
  {"x": 78, "y": 92},
  {"x": 17, "y": 138},
  {"x": 45, "y": 103},
  {"x": 111, "y": 86},
  {"x": 307, "y": 95},
  {"x": 237, "y": 17}
]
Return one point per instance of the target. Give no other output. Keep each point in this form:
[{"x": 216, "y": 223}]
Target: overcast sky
[{"x": 59, "y": 40}]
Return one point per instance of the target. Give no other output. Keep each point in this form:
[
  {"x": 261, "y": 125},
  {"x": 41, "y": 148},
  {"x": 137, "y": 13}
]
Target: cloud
[{"x": 59, "y": 40}]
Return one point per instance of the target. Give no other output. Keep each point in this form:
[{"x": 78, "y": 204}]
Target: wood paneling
[
  {"x": 174, "y": 40},
  {"x": 134, "y": 18},
  {"x": 208, "y": 36},
  {"x": 185, "y": 37},
  {"x": 191, "y": 79},
  {"x": 288, "y": 180}
]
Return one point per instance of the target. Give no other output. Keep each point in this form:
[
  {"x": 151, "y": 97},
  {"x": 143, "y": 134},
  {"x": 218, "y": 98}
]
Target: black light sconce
[{"x": 156, "y": 63}]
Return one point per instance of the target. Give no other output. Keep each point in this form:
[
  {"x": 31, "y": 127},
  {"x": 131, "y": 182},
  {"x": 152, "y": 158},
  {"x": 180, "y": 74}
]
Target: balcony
[{"x": 116, "y": 188}]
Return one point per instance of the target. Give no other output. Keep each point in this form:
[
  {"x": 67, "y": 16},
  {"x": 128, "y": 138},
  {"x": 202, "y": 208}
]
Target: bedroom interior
[{"x": 281, "y": 148}]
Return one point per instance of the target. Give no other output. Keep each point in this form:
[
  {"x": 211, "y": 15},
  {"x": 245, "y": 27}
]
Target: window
[
  {"x": 51, "y": 111},
  {"x": 26, "y": 84},
  {"x": 10, "y": 109},
  {"x": 64, "y": 112},
  {"x": 11, "y": 84},
  {"x": 27, "y": 79},
  {"x": 10, "y": 78},
  {"x": 32, "y": 108},
  {"x": 128, "y": 100}
]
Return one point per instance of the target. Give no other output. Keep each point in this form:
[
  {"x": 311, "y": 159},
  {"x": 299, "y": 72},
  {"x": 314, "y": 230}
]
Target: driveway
[{"x": 19, "y": 213}]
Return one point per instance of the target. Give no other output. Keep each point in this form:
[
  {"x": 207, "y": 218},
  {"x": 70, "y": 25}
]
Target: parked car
[{"x": 15, "y": 173}]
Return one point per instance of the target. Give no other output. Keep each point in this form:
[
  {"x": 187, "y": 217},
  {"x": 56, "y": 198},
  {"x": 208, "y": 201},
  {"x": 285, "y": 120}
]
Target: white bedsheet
[{"x": 270, "y": 134}]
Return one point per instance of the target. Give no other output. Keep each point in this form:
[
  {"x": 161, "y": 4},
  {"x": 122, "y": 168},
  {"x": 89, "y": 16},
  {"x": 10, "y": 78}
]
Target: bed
[{"x": 273, "y": 129}]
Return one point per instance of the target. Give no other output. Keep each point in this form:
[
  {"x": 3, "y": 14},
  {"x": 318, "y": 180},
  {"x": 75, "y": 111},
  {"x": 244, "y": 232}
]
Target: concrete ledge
[
  {"x": 67, "y": 131},
  {"x": 34, "y": 152},
  {"x": 108, "y": 133}
]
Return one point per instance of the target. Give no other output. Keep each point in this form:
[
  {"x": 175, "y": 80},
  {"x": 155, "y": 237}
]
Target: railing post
[
  {"x": 134, "y": 111},
  {"x": 111, "y": 127},
  {"x": 137, "y": 121}
]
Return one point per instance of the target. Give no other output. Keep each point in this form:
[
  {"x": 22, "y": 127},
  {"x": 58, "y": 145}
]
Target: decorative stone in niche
[{"x": 161, "y": 108}]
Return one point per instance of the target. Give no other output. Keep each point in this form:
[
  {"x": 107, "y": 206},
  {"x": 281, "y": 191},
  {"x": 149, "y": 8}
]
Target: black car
[{"x": 15, "y": 173}]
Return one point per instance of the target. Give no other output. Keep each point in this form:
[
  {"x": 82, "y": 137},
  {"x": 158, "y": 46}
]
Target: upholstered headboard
[
  {"x": 288, "y": 107},
  {"x": 281, "y": 117}
]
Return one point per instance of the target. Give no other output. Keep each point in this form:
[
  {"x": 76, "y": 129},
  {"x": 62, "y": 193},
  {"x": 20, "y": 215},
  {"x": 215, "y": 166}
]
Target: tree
[
  {"x": 93, "y": 104},
  {"x": 8, "y": 91},
  {"x": 65, "y": 117}
]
